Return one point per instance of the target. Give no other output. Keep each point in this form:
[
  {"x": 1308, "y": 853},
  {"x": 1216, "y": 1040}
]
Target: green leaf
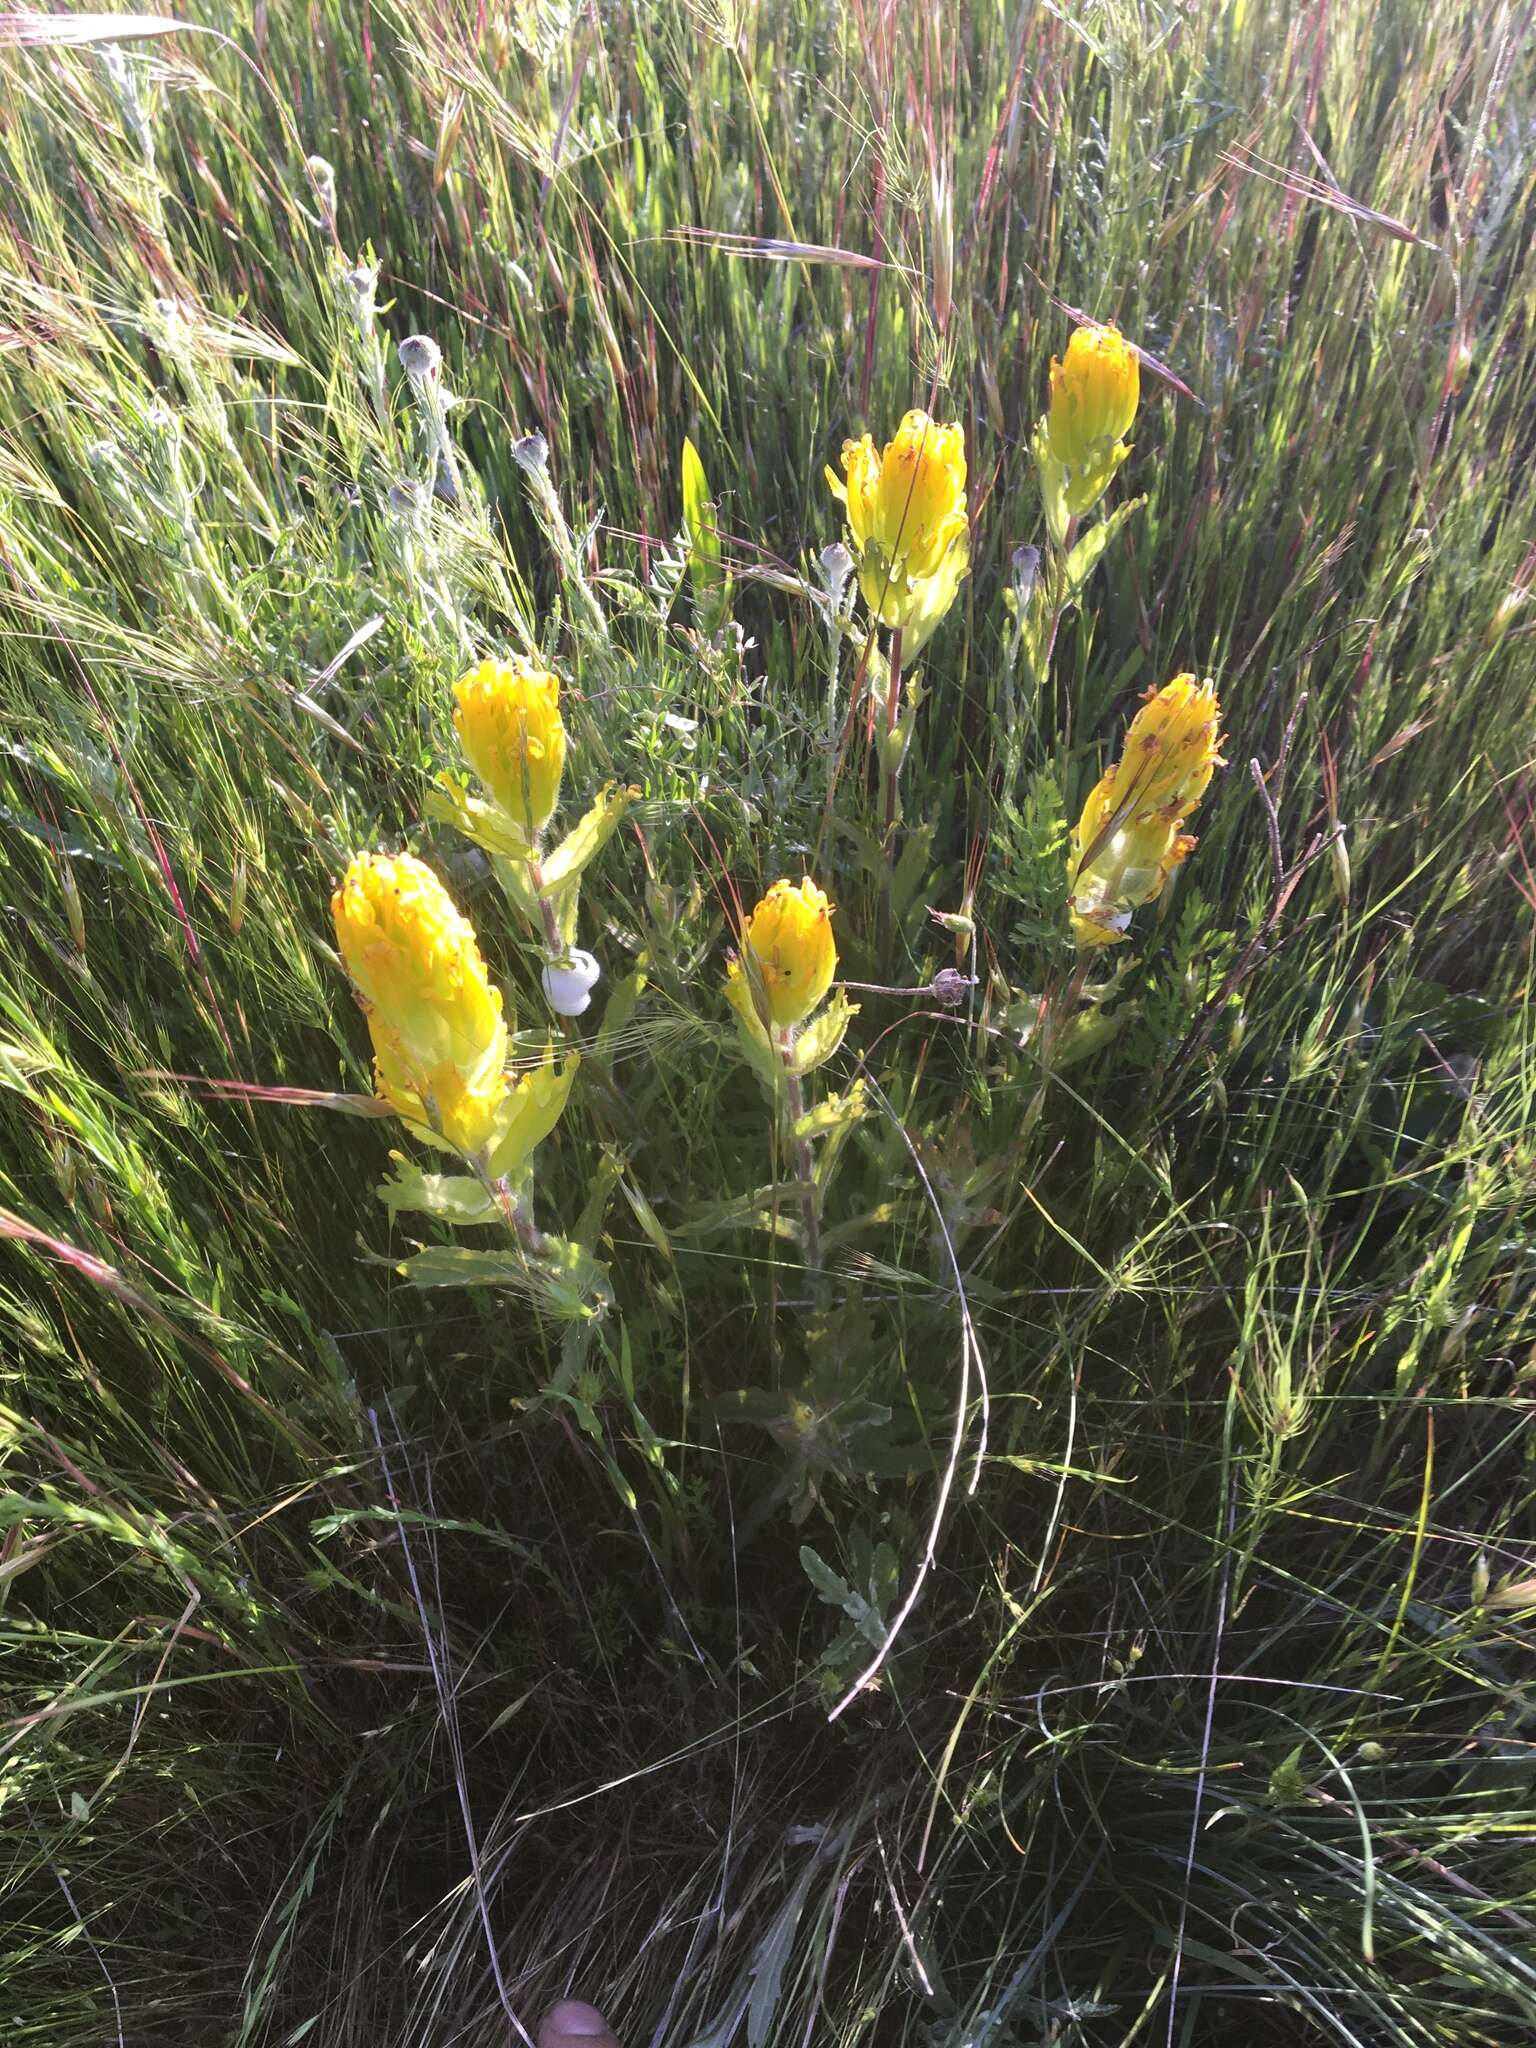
[
  {"x": 935, "y": 594},
  {"x": 911, "y": 867},
  {"x": 868, "y": 847},
  {"x": 586, "y": 840},
  {"x": 699, "y": 518},
  {"x": 772, "y": 1207},
  {"x": 762, "y": 1056},
  {"x": 819, "y": 1039},
  {"x": 837, "y": 1113},
  {"x": 895, "y": 744},
  {"x": 622, "y": 1002},
  {"x": 453, "y": 1197},
  {"x": 834, "y": 1590},
  {"x": 838, "y": 1593},
  {"x": 571, "y": 1282},
  {"x": 485, "y": 823},
  {"x": 1287, "y": 1781},
  {"x": 325, "y": 1526},
  {"x": 517, "y": 886},
  {"x": 564, "y": 1278},
  {"x": 1053, "y": 486},
  {"x": 1088, "y": 551},
  {"x": 1030, "y": 841},
  {"x": 533, "y": 1106},
  {"x": 452, "y": 1265},
  {"x": 751, "y": 1404},
  {"x": 1090, "y": 1031}
]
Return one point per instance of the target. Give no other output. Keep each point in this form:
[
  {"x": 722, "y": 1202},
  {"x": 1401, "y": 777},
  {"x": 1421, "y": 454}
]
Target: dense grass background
[{"x": 375, "y": 1668}]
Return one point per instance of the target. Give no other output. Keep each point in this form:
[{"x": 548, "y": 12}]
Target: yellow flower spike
[
  {"x": 1171, "y": 749},
  {"x": 439, "y": 1037},
  {"x": 788, "y": 954},
  {"x": 1112, "y": 868},
  {"x": 509, "y": 725},
  {"x": 443, "y": 1104},
  {"x": 1094, "y": 394},
  {"x": 1130, "y": 836},
  {"x": 907, "y": 517}
]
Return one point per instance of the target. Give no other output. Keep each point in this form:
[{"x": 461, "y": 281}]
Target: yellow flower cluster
[
  {"x": 788, "y": 954},
  {"x": 1131, "y": 836},
  {"x": 439, "y": 1036},
  {"x": 1095, "y": 390},
  {"x": 907, "y": 515},
  {"x": 1094, "y": 394},
  {"x": 509, "y": 725}
]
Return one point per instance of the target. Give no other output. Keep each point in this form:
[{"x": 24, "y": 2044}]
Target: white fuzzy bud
[{"x": 421, "y": 358}]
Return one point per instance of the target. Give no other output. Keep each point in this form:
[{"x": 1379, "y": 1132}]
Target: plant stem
[
  {"x": 527, "y": 1232},
  {"x": 892, "y": 713},
  {"x": 805, "y": 1169},
  {"x": 554, "y": 946},
  {"x": 553, "y": 942},
  {"x": 1060, "y": 558},
  {"x": 1058, "y": 1009},
  {"x": 521, "y": 1228}
]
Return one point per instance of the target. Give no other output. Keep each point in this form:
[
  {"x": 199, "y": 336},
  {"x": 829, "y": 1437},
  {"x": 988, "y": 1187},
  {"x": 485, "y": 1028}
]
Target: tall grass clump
[{"x": 767, "y": 1254}]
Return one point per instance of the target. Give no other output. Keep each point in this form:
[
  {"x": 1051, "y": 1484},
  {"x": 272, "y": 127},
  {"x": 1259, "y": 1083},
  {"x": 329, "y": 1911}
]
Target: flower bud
[
  {"x": 323, "y": 177},
  {"x": 1338, "y": 856},
  {"x": 421, "y": 359},
  {"x": 836, "y": 565}
]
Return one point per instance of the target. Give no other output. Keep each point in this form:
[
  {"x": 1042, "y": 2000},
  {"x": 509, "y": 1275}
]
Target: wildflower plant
[
  {"x": 441, "y": 1041},
  {"x": 910, "y": 530},
  {"x": 1169, "y": 1308},
  {"x": 1130, "y": 835},
  {"x": 1078, "y": 445},
  {"x": 1095, "y": 389},
  {"x": 513, "y": 738},
  {"x": 776, "y": 983}
]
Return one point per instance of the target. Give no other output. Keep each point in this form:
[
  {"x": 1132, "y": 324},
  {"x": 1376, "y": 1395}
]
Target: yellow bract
[
  {"x": 533, "y": 1107},
  {"x": 788, "y": 954},
  {"x": 907, "y": 516},
  {"x": 1170, "y": 751},
  {"x": 509, "y": 725},
  {"x": 439, "y": 1038},
  {"x": 1114, "y": 867},
  {"x": 1131, "y": 836},
  {"x": 1094, "y": 394}
]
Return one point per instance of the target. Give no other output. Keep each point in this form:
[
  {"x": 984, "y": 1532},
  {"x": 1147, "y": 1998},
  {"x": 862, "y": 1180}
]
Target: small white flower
[{"x": 570, "y": 988}]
